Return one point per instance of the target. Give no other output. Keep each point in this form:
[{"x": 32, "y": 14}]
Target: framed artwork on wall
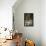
[{"x": 28, "y": 19}]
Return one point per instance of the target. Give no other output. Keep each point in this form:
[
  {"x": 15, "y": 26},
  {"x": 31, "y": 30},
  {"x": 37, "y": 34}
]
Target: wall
[
  {"x": 6, "y": 13},
  {"x": 6, "y": 18},
  {"x": 29, "y": 6},
  {"x": 43, "y": 22}
]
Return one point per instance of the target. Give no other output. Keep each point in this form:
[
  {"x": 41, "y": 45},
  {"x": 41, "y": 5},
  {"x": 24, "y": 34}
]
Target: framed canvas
[{"x": 28, "y": 19}]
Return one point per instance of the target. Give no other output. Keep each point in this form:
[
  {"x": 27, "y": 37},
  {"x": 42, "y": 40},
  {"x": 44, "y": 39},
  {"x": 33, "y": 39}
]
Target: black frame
[{"x": 28, "y": 19}]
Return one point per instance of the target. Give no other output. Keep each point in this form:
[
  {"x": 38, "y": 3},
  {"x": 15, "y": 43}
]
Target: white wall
[
  {"x": 43, "y": 22},
  {"x": 29, "y": 6},
  {"x": 6, "y": 13},
  {"x": 6, "y": 18}
]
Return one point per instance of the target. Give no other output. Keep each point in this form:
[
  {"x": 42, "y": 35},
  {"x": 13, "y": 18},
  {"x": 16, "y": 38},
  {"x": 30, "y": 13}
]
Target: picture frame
[{"x": 28, "y": 19}]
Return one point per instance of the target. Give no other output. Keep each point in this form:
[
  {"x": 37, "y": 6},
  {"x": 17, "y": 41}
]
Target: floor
[{"x": 9, "y": 43}]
